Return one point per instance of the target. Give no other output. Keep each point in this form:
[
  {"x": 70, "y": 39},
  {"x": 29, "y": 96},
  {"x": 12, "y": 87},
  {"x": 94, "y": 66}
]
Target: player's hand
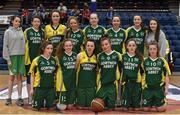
[{"x": 9, "y": 62}]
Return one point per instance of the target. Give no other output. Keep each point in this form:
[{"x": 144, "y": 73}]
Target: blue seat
[
  {"x": 167, "y": 27},
  {"x": 177, "y": 62},
  {"x": 177, "y": 48},
  {"x": 176, "y": 54},
  {"x": 2, "y": 61},
  {"x": 3, "y": 67},
  {"x": 173, "y": 37},
  {"x": 169, "y": 32},
  {"x": 1, "y": 47},
  {"x": 177, "y": 32},
  {"x": 172, "y": 48},
  {"x": 176, "y": 27},
  {"x": 175, "y": 42}
]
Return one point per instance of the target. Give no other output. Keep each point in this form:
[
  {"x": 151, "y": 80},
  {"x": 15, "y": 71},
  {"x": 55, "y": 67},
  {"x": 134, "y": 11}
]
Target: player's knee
[
  {"x": 146, "y": 109},
  {"x": 161, "y": 109}
]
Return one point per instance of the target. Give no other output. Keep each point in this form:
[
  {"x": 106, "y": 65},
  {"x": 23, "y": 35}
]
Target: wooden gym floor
[{"x": 173, "y": 107}]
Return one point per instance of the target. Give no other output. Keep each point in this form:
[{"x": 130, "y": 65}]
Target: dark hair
[
  {"x": 117, "y": 16},
  {"x": 153, "y": 43},
  {"x": 13, "y": 17},
  {"x": 156, "y": 37},
  {"x": 91, "y": 40},
  {"x": 142, "y": 25},
  {"x": 72, "y": 17},
  {"x": 60, "y": 48},
  {"x": 36, "y": 16},
  {"x": 44, "y": 45},
  {"x": 54, "y": 10},
  {"x": 139, "y": 55}
]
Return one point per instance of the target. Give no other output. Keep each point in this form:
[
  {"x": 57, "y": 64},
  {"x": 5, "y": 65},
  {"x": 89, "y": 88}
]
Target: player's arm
[
  {"x": 82, "y": 44},
  {"x": 27, "y": 58},
  {"x": 168, "y": 72},
  {"x": 142, "y": 75},
  {"x": 123, "y": 44},
  {"x": 127, "y": 31},
  {"x": 77, "y": 61},
  {"x": 32, "y": 72},
  {"x": 98, "y": 81}
]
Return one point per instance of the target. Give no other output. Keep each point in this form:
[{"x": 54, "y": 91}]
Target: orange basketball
[{"x": 97, "y": 105}]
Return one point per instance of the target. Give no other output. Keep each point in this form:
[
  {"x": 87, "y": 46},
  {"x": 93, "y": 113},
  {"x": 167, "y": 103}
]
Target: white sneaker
[{"x": 30, "y": 100}]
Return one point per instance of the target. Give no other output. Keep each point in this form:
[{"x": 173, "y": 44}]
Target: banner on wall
[{"x": 5, "y": 19}]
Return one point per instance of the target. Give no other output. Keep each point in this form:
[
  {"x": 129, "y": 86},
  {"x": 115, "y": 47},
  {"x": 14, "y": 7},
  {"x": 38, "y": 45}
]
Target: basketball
[{"x": 97, "y": 105}]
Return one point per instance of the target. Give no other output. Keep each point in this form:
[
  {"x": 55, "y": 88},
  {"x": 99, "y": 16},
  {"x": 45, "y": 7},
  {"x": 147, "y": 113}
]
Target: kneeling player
[
  {"x": 156, "y": 82},
  {"x": 43, "y": 70}
]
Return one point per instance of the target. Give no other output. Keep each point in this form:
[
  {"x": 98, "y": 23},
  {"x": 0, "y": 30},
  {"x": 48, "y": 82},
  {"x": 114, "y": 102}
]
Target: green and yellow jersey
[
  {"x": 95, "y": 34},
  {"x": 77, "y": 37},
  {"x": 131, "y": 68},
  {"x": 43, "y": 70},
  {"x": 55, "y": 35},
  {"x": 117, "y": 39},
  {"x": 67, "y": 64},
  {"x": 138, "y": 35},
  {"x": 154, "y": 70},
  {"x": 33, "y": 39},
  {"x": 86, "y": 71},
  {"x": 109, "y": 67}
]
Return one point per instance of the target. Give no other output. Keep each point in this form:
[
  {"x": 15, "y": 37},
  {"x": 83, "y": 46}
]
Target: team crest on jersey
[
  {"x": 31, "y": 33},
  {"x": 108, "y": 58},
  {"x": 110, "y": 35},
  {"x": 89, "y": 31},
  {"x": 53, "y": 62},
  {"x": 102, "y": 58},
  {"x": 114, "y": 57},
  {"x": 142, "y": 33},
  {"x": 42, "y": 63},
  {"x": 121, "y": 34},
  {"x": 137, "y": 35},
  {"x": 64, "y": 58},
  {"x": 131, "y": 34},
  {"x": 159, "y": 63},
  {"x": 147, "y": 63},
  {"x": 78, "y": 35},
  {"x": 115, "y": 35},
  {"x": 99, "y": 31},
  {"x": 136, "y": 59}
]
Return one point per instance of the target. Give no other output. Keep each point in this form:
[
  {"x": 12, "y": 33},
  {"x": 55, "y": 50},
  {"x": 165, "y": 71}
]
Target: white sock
[{"x": 19, "y": 97}]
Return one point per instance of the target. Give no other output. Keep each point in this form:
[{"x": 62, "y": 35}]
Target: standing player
[
  {"x": 55, "y": 31},
  {"x": 86, "y": 66},
  {"x": 131, "y": 77},
  {"x": 33, "y": 38},
  {"x": 138, "y": 32},
  {"x": 109, "y": 61},
  {"x": 156, "y": 34},
  {"x": 156, "y": 78},
  {"x": 13, "y": 52},
  {"x": 94, "y": 31},
  {"x": 67, "y": 59},
  {"x": 117, "y": 35},
  {"x": 43, "y": 71},
  {"x": 75, "y": 34}
]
